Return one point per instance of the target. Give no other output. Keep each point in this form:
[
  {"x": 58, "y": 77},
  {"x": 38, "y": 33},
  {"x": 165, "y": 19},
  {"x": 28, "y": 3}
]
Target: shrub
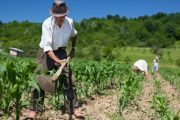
[{"x": 178, "y": 62}]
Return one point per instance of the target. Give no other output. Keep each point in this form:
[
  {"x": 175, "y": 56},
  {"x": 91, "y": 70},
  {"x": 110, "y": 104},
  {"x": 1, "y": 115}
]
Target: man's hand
[
  {"x": 72, "y": 53},
  {"x": 60, "y": 62},
  {"x": 56, "y": 60}
]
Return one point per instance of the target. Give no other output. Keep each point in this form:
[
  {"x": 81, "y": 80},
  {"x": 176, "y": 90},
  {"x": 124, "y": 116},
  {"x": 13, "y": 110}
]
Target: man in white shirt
[
  {"x": 141, "y": 66},
  {"x": 56, "y": 31}
]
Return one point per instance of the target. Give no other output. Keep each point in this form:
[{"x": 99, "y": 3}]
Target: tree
[
  {"x": 170, "y": 30},
  {"x": 143, "y": 18},
  {"x": 1, "y": 23},
  {"x": 159, "y": 15},
  {"x": 151, "y": 26}
]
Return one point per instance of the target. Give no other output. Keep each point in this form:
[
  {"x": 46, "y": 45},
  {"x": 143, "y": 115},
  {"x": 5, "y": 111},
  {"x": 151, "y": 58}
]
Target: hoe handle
[{"x": 59, "y": 71}]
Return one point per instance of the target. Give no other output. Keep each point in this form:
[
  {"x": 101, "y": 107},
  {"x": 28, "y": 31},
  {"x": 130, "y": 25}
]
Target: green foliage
[
  {"x": 172, "y": 75},
  {"x": 178, "y": 62},
  {"x": 16, "y": 77},
  {"x": 160, "y": 30},
  {"x": 127, "y": 59},
  {"x": 94, "y": 77},
  {"x": 131, "y": 87},
  {"x": 1, "y": 23},
  {"x": 161, "y": 104},
  {"x": 24, "y": 35}
]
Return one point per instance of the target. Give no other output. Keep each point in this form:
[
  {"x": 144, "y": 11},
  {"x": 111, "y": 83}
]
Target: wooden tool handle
[{"x": 57, "y": 74}]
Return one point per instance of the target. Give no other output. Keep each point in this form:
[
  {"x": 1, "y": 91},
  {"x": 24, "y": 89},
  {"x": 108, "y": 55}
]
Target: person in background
[
  {"x": 56, "y": 32},
  {"x": 155, "y": 66},
  {"x": 141, "y": 66}
]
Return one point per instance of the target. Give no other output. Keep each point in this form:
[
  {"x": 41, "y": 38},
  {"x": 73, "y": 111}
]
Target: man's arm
[
  {"x": 74, "y": 41},
  {"x": 53, "y": 57},
  {"x": 73, "y": 48}
]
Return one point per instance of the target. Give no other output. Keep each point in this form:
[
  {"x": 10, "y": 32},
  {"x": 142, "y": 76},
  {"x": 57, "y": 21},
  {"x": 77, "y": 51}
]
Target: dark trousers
[{"x": 66, "y": 81}]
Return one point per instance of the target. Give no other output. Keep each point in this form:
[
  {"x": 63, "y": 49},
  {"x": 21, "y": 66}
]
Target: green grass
[
  {"x": 169, "y": 58},
  {"x": 131, "y": 54}
]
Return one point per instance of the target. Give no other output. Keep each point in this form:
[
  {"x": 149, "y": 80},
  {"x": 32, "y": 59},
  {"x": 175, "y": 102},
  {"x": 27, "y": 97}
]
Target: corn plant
[
  {"x": 94, "y": 77},
  {"x": 172, "y": 75},
  {"x": 4, "y": 91},
  {"x": 16, "y": 77},
  {"x": 160, "y": 104},
  {"x": 130, "y": 89}
]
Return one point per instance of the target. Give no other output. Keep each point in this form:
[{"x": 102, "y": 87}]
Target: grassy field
[{"x": 168, "y": 56}]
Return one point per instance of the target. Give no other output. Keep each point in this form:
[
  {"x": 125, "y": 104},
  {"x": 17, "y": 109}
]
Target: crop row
[
  {"x": 172, "y": 75},
  {"x": 161, "y": 104},
  {"x": 92, "y": 78}
]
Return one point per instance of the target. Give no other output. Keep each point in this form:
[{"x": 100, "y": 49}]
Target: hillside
[{"x": 100, "y": 34}]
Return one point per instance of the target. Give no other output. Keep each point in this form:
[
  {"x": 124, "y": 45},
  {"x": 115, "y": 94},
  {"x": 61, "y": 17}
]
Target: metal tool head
[{"x": 46, "y": 83}]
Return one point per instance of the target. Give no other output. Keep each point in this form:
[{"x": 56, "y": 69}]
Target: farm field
[
  {"x": 125, "y": 66},
  {"x": 168, "y": 56},
  {"x": 107, "y": 90}
]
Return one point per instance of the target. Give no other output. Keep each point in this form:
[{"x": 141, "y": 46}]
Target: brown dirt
[
  {"x": 172, "y": 94},
  {"x": 97, "y": 108},
  {"x": 140, "y": 108},
  {"x": 100, "y": 107}
]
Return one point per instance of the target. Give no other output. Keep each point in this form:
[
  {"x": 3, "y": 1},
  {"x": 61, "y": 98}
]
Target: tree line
[{"x": 160, "y": 30}]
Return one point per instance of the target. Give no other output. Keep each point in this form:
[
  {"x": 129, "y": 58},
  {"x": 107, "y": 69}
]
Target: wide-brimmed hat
[{"x": 59, "y": 8}]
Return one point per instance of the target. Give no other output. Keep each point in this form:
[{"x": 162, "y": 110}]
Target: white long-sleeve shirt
[
  {"x": 141, "y": 65},
  {"x": 54, "y": 36}
]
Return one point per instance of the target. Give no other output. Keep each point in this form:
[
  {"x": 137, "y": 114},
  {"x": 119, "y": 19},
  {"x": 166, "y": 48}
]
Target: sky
[{"x": 38, "y": 10}]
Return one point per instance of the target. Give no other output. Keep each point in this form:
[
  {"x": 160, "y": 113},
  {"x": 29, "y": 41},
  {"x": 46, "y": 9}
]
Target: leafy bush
[{"x": 178, "y": 62}]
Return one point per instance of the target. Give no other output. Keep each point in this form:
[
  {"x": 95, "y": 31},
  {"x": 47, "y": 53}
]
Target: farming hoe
[{"x": 48, "y": 83}]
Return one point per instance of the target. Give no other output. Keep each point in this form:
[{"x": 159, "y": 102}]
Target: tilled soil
[
  {"x": 140, "y": 108},
  {"x": 96, "y": 108},
  {"x": 101, "y": 107},
  {"x": 172, "y": 94}
]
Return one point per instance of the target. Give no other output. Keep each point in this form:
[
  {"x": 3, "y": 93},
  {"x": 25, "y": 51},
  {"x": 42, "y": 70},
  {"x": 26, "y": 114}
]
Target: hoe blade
[{"x": 46, "y": 83}]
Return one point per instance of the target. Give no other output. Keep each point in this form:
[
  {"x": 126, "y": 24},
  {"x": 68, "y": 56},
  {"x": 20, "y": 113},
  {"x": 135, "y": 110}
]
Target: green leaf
[
  {"x": 11, "y": 72},
  {"x": 4, "y": 102},
  {"x": 25, "y": 103},
  {"x": 34, "y": 84},
  {"x": 14, "y": 89}
]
